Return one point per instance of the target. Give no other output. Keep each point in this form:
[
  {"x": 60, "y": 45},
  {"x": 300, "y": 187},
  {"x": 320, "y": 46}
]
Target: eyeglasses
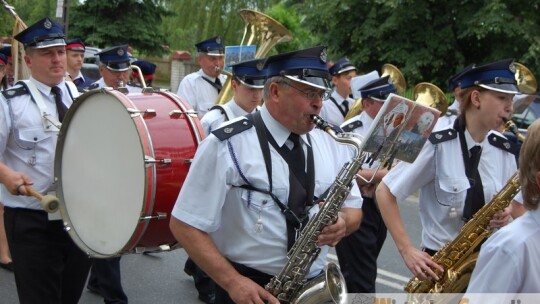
[{"x": 310, "y": 94}]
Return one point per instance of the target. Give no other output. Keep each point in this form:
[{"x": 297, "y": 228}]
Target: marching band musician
[
  {"x": 74, "y": 58},
  {"x": 458, "y": 170},
  {"x": 235, "y": 227},
  {"x": 200, "y": 89},
  {"x": 509, "y": 261},
  {"x": 358, "y": 252},
  {"x": 451, "y": 114},
  {"x": 114, "y": 68},
  {"x": 247, "y": 84},
  {"x": 148, "y": 70},
  {"x": 336, "y": 107},
  {"x": 6, "y": 50},
  {"x": 48, "y": 266}
]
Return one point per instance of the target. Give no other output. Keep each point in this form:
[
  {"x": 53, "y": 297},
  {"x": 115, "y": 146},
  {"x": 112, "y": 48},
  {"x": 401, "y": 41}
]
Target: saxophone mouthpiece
[{"x": 320, "y": 123}]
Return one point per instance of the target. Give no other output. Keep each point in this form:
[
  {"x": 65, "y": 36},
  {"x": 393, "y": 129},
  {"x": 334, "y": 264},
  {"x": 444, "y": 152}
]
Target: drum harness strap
[
  {"x": 48, "y": 120},
  {"x": 223, "y": 110},
  {"x": 291, "y": 218},
  {"x": 343, "y": 111}
]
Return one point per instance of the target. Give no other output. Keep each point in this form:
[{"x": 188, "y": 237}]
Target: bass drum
[{"x": 120, "y": 163}]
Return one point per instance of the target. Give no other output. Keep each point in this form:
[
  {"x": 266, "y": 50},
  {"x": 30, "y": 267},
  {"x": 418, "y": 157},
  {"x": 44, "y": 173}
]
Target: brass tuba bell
[
  {"x": 397, "y": 79},
  {"x": 430, "y": 95},
  {"x": 525, "y": 79},
  {"x": 266, "y": 32}
]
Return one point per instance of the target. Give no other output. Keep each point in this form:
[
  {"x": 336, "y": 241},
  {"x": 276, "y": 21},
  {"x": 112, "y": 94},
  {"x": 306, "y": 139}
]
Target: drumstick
[{"x": 49, "y": 203}]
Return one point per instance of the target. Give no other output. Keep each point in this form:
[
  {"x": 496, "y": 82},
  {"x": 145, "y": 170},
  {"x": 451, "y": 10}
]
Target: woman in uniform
[{"x": 459, "y": 169}]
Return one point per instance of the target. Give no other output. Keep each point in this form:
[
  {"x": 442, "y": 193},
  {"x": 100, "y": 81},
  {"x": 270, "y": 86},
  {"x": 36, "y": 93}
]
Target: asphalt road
[{"x": 159, "y": 278}]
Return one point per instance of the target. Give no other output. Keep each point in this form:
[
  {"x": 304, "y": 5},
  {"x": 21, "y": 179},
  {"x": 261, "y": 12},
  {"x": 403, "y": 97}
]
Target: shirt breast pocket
[
  {"x": 29, "y": 137},
  {"x": 451, "y": 191}
]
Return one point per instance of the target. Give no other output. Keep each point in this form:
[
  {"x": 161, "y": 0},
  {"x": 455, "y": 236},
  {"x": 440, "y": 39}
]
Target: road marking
[{"x": 384, "y": 277}]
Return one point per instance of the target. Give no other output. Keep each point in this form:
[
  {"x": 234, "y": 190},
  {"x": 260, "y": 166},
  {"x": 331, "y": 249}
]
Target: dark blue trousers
[
  {"x": 106, "y": 280},
  {"x": 358, "y": 252}
]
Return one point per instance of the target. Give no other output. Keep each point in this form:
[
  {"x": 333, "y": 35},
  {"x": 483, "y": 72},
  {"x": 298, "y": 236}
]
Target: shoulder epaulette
[
  {"x": 15, "y": 91},
  {"x": 503, "y": 143},
  {"x": 93, "y": 86},
  {"x": 232, "y": 129},
  {"x": 352, "y": 126},
  {"x": 442, "y": 136}
]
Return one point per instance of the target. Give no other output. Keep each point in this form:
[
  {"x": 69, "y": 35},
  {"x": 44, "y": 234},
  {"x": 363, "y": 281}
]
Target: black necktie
[
  {"x": 218, "y": 84},
  {"x": 296, "y": 159},
  {"x": 475, "y": 194},
  {"x": 345, "y": 106},
  {"x": 60, "y": 106},
  {"x": 78, "y": 82}
]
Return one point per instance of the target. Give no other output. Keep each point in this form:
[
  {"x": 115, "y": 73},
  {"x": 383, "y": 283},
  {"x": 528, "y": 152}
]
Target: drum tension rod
[
  {"x": 158, "y": 216},
  {"x": 150, "y": 160},
  {"x": 136, "y": 112}
]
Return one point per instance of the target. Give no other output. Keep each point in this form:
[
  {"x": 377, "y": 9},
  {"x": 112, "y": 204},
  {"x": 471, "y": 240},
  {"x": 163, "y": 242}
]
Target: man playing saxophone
[
  {"x": 253, "y": 182},
  {"x": 459, "y": 169}
]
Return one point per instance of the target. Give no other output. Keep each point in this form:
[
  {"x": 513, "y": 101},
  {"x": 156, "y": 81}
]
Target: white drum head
[{"x": 102, "y": 177}]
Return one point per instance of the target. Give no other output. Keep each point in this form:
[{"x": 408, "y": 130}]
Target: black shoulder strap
[
  {"x": 212, "y": 83},
  {"x": 338, "y": 106},
  {"x": 221, "y": 109}
]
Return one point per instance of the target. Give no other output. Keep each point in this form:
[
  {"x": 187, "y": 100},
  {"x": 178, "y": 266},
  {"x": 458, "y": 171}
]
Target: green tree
[
  {"x": 115, "y": 22},
  {"x": 427, "y": 40}
]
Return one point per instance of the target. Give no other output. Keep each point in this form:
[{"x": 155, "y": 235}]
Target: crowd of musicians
[{"x": 263, "y": 170}]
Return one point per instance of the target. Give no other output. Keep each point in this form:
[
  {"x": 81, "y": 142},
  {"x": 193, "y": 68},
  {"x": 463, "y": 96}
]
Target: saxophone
[
  {"x": 459, "y": 256},
  {"x": 290, "y": 285}
]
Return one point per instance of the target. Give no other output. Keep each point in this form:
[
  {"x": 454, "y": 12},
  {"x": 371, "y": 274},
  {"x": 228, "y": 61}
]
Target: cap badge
[
  {"x": 120, "y": 52},
  {"x": 218, "y": 39},
  {"x": 47, "y": 24},
  {"x": 323, "y": 55},
  {"x": 512, "y": 68},
  {"x": 260, "y": 65}
]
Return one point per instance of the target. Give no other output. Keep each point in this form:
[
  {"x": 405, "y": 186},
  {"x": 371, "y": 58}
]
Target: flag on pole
[{"x": 17, "y": 51}]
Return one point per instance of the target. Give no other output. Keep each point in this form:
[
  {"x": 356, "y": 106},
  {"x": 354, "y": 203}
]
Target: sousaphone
[
  {"x": 265, "y": 32},
  {"x": 395, "y": 76}
]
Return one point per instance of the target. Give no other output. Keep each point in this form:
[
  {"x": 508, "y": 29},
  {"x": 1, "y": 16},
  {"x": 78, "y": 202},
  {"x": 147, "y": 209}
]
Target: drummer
[{"x": 49, "y": 267}]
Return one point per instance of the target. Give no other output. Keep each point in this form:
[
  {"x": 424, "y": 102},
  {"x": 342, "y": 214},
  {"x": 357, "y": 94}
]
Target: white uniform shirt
[
  {"x": 331, "y": 113},
  {"x": 101, "y": 84},
  {"x": 198, "y": 93},
  {"x": 447, "y": 120},
  {"x": 439, "y": 172},
  {"x": 28, "y": 142},
  {"x": 213, "y": 119},
  {"x": 212, "y": 201},
  {"x": 509, "y": 261},
  {"x": 362, "y": 131}
]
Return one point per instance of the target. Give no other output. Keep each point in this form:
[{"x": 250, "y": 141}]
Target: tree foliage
[
  {"x": 115, "y": 22},
  {"x": 427, "y": 40}
]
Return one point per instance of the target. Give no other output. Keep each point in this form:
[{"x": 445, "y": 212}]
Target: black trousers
[
  {"x": 358, "y": 252},
  {"x": 49, "y": 267},
  {"x": 204, "y": 284},
  {"x": 261, "y": 278},
  {"x": 105, "y": 278}
]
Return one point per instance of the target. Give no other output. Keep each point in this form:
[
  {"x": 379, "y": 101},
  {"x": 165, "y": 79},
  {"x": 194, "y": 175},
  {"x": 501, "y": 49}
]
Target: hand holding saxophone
[
  {"x": 500, "y": 219},
  {"x": 333, "y": 233},
  {"x": 246, "y": 291},
  {"x": 421, "y": 264}
]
